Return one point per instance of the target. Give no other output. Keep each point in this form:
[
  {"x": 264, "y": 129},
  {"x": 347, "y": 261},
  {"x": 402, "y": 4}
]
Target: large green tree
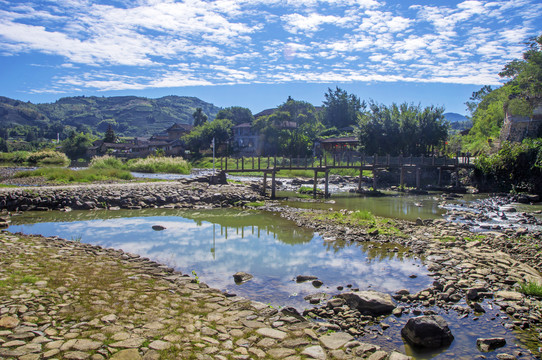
[
  {"x": 291, "y": 129},
  {"x": 341, "y": 109},
  {"x": 110, "y": 136},
  {"x": 237, "y": 115},
  {"x": 401, "y": 129},
  {"x": 76, "y": 145},
  {"x": 202, "y": 136},
  {"x": 199, "y": 117}
]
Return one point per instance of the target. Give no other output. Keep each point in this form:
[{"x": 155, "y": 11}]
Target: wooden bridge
[{"x": 374, "y": 163}]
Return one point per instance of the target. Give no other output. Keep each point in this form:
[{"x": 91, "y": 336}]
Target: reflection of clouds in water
[{"x": 215, "y": 257}]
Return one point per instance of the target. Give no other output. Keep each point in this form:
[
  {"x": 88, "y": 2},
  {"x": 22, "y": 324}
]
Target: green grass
[
  {"x": 66, "y": 176},
  {"x": 256, "y": 203},
  {"x": 151, "y": 164},
  {"x": 42, "y": 158},
  {"x": 364, "y": 219},
  {"x": 174, "y": 165},
  {"x": 531, "y": 288},
  {"x": 480, "y": 238}
]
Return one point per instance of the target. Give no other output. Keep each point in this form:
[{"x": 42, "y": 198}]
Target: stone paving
[{"x": 67, "y": 300}]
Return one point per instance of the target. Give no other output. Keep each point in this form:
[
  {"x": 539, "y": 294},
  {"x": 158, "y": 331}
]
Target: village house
[{"x": 169, "y": 142}]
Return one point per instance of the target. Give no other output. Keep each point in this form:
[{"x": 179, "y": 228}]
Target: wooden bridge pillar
[
  {"x": 264, "y": 185},
  {"x": 326, "y": 191},
  {"x": 315, "y": 182},
  {"x": 360, "y": 179},
  {"x": 418, "y": 177},
  {"x": 273, "y": 184},
  {"x": 374, "y": 178},
  {"x": 440, "y": 176},
  {"x": 402, "y": 178},
  {"x": 457, "y": 176}
]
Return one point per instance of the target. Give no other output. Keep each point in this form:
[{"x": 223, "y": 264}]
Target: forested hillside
[{"x": 128, "y": 115}]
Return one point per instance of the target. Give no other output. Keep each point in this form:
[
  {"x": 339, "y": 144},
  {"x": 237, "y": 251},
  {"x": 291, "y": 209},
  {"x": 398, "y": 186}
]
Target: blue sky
[{"x": 256, "y": 53}]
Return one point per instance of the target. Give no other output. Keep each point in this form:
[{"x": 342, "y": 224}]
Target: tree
[
  {"x": 237, "y": 115},
  {"x": 110, "y": 136},
  {"x": 526, "y": 75},
  {"x": 341, "y": 109},
  {"x": 201, "y": 136},
  {"x": 3, "y": 145},
  {"x": 199, "y": 117},
  {"x": 403, "y": 128},
  {"x": 517, "y": 97},
  {"x": 291, "y": 129},
  {"x": 76, "y": 145}
]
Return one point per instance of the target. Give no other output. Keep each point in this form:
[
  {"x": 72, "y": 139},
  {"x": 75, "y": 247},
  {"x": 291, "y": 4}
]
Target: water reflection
[
  {"x": 218, "y": 243},
  {"x": 394, "y": 205}
]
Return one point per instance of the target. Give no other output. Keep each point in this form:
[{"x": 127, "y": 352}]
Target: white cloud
[{"x": 197, "y": 42}]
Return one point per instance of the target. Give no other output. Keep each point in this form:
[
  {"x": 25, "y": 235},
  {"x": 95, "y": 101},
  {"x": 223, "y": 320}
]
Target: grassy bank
[
  {"x": 38, "y": 158},
  {"x": 66, "y": 176},
  {"x": 362, "y": 219},
  {"x": 146, "y": 165}
]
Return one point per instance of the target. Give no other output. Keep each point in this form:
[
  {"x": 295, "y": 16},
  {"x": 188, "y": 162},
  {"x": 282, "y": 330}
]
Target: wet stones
[
  {"x": 242, "y": 277},
  {"x": 369, "y": 302},
  {"x": 303, "y": 278},
  {"x": 486, "y": 345},
  {"x": 427, "y": 331}
]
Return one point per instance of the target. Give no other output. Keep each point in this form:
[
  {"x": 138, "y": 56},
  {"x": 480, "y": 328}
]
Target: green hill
[{"x": 128, "y": 115}]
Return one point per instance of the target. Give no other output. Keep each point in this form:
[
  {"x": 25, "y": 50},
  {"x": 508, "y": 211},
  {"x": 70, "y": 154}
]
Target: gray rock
[
  {"x": 314, "y": 352},
  {"x": 369, "y": 302},
  {"x": 335, "y": 341},
  {"x": 158, "y": 227},
  {"x": 427, "y": 331},
  {"x": 489, "y": 344},
  {"x": 241, "y": 277},
  {"x": 303, "y": 278}
]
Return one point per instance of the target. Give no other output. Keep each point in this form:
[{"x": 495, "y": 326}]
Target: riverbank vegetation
[
  {"x": 67, "y": 176},
  {"x": 151, "y": 164},
  {"x": 362, "y": 219},
  {"x": 45, "y": 157},
  {"x": 516, "y": 167}
]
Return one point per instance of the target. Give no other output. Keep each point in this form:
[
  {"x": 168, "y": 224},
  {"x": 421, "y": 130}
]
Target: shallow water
[
  {"x": 215, "y": 244},
  {"x": 218, "y": 243},
  {"x": 393, "y": 205}
]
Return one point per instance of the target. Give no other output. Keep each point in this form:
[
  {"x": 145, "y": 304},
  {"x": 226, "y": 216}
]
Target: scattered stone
[
  {"x": 335, "y": 341},
  {"x": 369, "y": 302},
  {"x": 314, "y": 352},
  {"x": 9, "y": 322},
  {"x": 427, "y": 331},
  {"x": 486, "y": 345},
  {"x": 242, "y": 277}
]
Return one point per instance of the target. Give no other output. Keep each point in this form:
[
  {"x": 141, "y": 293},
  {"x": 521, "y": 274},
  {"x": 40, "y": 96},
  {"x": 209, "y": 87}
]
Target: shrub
[
  {"x": 48, "y": 157},
  {"x": 64, "y": 175},
  {"x": 106, "y": 162},
  {"x": 17, "y": 157},
  {"x": 175, "y": 165}
]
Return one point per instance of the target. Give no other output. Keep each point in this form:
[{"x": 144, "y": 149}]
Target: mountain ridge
[{"x": 127, "y": 115}]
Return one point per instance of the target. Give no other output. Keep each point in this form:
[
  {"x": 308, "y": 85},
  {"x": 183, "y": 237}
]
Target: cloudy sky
[{"x": 255, "y": 53}]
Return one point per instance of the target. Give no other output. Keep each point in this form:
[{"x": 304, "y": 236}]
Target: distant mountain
[
  {"x": 455, "y": 117},
  {"x": 458, "y": 122},
  {"x": 128, "y": 115}
]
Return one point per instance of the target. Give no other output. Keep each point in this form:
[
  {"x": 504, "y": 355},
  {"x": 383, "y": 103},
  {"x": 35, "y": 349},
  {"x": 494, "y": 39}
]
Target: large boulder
[
  {"x": 427, "y": 331},
  {"x": 369, "y": 302}
]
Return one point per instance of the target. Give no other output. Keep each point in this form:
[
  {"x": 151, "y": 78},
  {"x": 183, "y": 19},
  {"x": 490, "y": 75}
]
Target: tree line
[{"x": 294, "y": 126}]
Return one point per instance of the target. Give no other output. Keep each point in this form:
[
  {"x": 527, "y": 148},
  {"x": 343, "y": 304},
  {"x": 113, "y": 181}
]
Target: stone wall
[{"x": 516, "y": 128}]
